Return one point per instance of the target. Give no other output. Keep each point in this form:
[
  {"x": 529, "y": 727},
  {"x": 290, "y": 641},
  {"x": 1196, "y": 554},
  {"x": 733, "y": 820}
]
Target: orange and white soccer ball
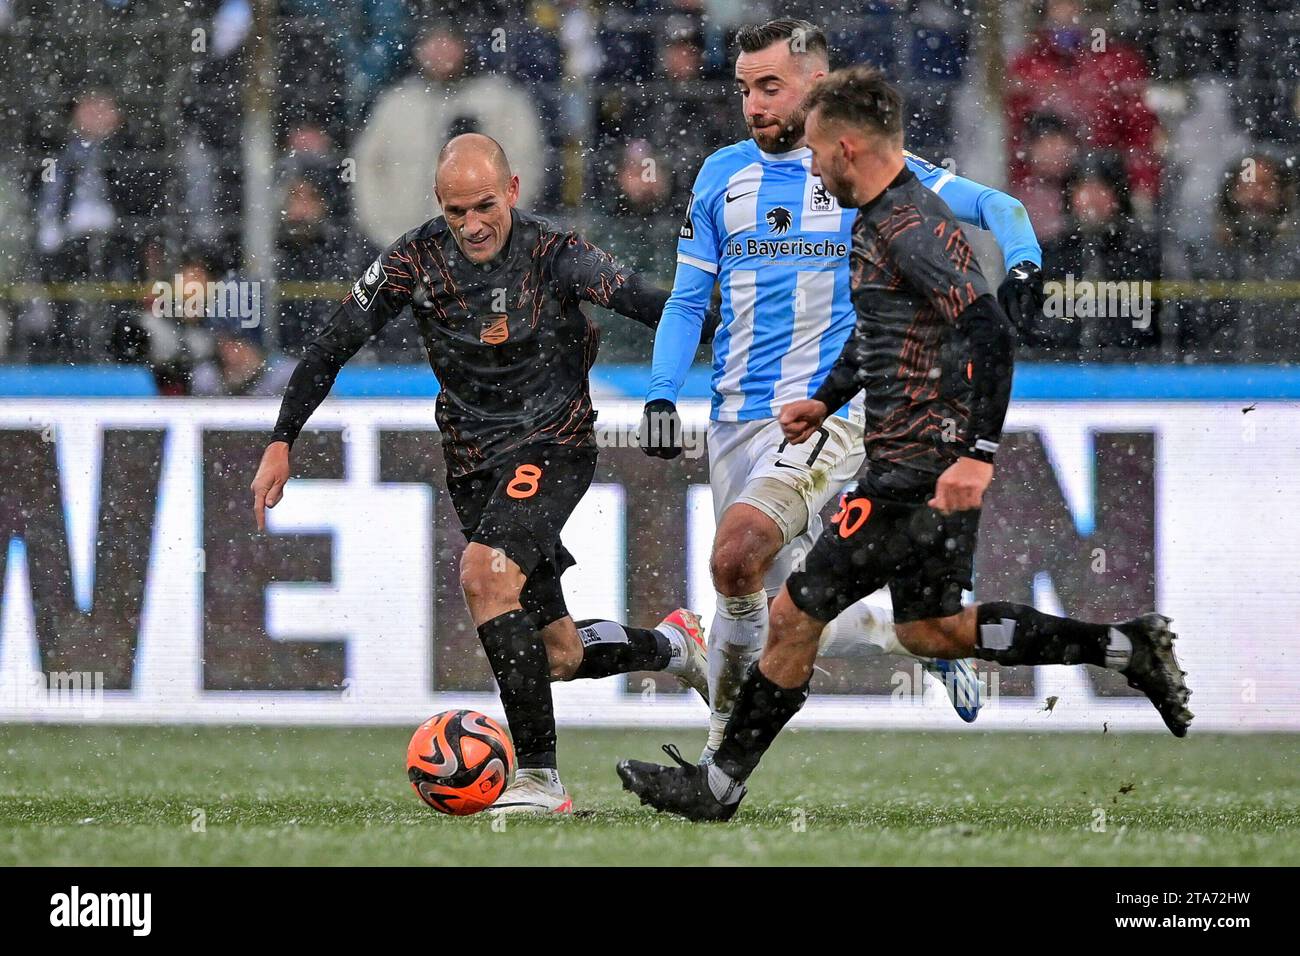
[{"x": 460, "y": 761}]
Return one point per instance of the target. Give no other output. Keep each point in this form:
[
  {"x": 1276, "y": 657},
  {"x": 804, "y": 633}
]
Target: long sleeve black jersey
[
  {"x": 931, "y": 348},
  {"x": 508, "y": 341}
]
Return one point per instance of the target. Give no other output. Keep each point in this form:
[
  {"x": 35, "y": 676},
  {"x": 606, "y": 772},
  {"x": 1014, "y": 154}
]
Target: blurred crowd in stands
[{"x": 1145, "y": 144}]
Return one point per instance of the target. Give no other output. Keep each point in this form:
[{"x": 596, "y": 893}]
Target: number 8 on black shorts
[{"x": 519, "y": 507}]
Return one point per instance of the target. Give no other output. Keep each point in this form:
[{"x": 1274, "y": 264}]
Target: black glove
[
  {"x": 660, "y": 435},
  {"x": 1021, "y": 297}
]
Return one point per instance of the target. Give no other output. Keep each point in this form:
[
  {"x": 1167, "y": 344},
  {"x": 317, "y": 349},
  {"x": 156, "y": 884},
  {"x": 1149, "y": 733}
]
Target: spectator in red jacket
[
  {"x": 1051, "y": 153},
  {"x": 1093, "y": 80}
]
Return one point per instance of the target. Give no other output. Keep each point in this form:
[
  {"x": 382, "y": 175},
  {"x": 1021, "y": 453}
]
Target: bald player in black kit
[{"x": 497, "y": 296}]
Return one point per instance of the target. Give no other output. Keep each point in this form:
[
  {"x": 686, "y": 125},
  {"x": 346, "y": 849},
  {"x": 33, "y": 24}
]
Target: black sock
[
  {"x": 762, "y": 709},
  {"x": 518, "y": 659},
  {"x": 611, "y": 648},
  {"x": 1019, "y": 634}
]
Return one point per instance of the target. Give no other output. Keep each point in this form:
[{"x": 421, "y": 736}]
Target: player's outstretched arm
[
  {"x": 646, "y": 303},
  {"x": 268, "y": 484},
  {"x": 311, "y": 381},
  {"x": 947, "y": 272},
  {"x": 686, "y": 314},
  {"x": 593, "y": 275},
  {"x": 1021, "y": 292},
  {"x": 586, "y": 272},
  {"x": 839, "y": 387},
  {"x": 660, "y": 432},
  {"x": 676, "y": 340},
  {"x": 381, "y": 293},
  {"x": 992, "y": 358},
  {"x": 800, "y": 419},
  {"x": 978, "y": 205},
  {"x": 935, "y": 259}
]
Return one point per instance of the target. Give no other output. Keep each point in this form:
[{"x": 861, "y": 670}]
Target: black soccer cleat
[
  {"x": 683, "y": 789},
  {"x": 1153, "y": 669}
]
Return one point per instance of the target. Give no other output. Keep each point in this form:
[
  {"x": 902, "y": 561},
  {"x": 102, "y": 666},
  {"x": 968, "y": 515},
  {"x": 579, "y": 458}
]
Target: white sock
[
  {"x": 861, "y": 630},
  {"x": 736, "y": 640},
  {"x": 680, "y": 648},
  {"x": 726, "y": 789},
  {"x": 548, "y": 778}
]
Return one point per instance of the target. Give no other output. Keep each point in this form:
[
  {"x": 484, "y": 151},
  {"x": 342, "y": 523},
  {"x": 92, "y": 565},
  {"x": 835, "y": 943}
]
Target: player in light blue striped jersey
[{"x": 762, "y": 227}]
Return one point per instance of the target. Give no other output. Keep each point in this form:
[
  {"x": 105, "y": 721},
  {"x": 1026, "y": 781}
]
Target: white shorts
[{"x": 750, "y": 462}]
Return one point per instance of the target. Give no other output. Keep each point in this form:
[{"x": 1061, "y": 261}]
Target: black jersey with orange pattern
[
  {"x": 917, "y": 288},
  {"x": 508, "y": 341}
]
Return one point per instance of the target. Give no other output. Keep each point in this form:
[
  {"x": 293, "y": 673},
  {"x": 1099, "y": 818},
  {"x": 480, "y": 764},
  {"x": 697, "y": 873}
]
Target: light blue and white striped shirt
[{"x": 763, "y": 227}]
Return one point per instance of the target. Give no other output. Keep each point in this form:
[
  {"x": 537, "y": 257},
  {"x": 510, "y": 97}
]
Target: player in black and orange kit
[
  {"x": 496, "y": 294},
  {"x": 932, "y": 350}
]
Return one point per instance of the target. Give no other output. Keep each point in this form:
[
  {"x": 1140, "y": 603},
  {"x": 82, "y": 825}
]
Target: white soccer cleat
[
  {"x": 533, "y": 793},
  {"x": 693, "y": 672}
]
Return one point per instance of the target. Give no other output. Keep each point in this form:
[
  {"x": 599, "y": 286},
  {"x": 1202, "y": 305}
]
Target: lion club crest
[
  {"x": 821, "y": 199},
  {"x": 778, "y": 219}
]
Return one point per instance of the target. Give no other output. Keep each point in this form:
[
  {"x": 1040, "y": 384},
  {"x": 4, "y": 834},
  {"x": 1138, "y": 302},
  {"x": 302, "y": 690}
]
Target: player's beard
[
  {"x": 837, "y": 184},
  {"x": 791, "y": 132}
]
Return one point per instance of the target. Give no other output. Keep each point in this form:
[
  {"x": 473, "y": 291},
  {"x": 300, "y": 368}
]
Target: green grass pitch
[{"x": 91, "y": 795}]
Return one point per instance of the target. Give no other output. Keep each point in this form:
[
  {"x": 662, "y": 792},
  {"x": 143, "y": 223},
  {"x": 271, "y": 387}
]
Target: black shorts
[
  {"x": 519, "y": 507},
  {"x": 925, "y": 557}
]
